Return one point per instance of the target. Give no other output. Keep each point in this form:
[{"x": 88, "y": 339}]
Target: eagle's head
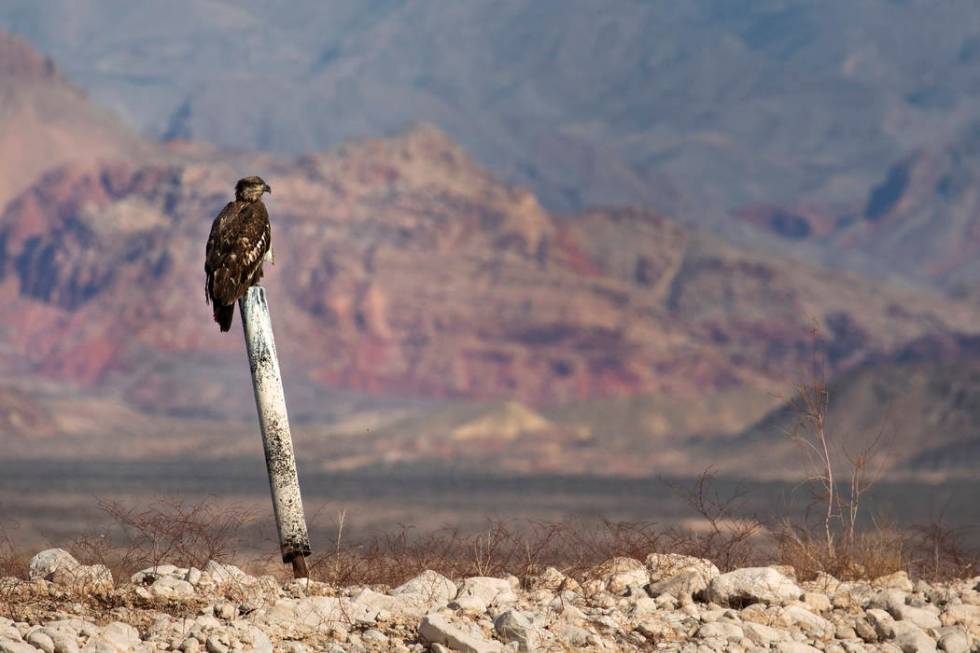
[{"x": 249, "y": 189}]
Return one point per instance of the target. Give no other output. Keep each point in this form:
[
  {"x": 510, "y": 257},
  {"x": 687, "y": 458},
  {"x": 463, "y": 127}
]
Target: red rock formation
[{"x": 405, "y": 269}]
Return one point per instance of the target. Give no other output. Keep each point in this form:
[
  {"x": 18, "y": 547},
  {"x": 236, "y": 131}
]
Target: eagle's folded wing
[{"x": 236, "y": 250}]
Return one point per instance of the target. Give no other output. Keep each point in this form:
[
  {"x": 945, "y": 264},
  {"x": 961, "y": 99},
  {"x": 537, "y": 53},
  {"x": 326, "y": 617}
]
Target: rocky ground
[{"x": 666, "y": 603}]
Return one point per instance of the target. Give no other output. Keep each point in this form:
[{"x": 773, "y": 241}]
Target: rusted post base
[
  {"x": 299, "y": 567},
  {"x": 294, "y": 540}
]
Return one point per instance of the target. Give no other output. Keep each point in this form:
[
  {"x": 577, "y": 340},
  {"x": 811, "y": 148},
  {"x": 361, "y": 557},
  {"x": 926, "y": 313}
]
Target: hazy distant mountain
[
  {"x": 921, "y": 404},
  {"x": 694, "y": 107},
  {"x": 409, "y": 274},
  {"x": 922, "y": 218},
  {"x": 407, "y": 269},
  {"x": 45, "y": 121}
]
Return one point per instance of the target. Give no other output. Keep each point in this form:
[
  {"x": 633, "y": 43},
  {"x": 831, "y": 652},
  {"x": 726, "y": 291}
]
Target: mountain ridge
[
  {"x": 410, "y": 279},
  {"x": 47, "y": 121}
]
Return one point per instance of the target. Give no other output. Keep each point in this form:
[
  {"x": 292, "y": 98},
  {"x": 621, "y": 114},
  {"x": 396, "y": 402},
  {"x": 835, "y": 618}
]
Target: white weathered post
[{"x": 294, "y": 540}]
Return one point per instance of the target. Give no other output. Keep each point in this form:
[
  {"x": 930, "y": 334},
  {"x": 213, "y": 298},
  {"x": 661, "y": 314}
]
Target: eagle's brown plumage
[{"x": 240, "y": 238}]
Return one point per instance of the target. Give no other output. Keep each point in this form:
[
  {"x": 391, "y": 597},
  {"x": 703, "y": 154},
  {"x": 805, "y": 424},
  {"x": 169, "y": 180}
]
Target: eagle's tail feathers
[
  {"x": 223, "y": 315},
  {"x": 227, "y": 289}
]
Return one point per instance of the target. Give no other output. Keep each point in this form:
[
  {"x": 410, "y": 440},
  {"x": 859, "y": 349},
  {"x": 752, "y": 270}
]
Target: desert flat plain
[{"x": 441, "y": 330}]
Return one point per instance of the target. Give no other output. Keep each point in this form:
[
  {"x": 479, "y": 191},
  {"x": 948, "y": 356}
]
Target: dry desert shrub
[
  {"x": 167, "y": 531},
  {"x": 934, "y": 551},
  {"x": 191, "y": 534},
  {"x": 13, "y": 567},
  {"x": 937, "y": 550},
  {"x": 524, "y": 549},
  {"x": 13, "y": 562},
  {"x": 830, "y": 537},
  {"x": 877, "y": 552},
  {"x": 731, "y": 537}
]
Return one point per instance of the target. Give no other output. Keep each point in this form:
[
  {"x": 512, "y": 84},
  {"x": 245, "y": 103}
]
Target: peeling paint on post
[{"x": 294, "y": 540}]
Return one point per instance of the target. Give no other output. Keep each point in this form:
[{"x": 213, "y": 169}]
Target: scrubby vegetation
[{"x": 188, "y": 534}]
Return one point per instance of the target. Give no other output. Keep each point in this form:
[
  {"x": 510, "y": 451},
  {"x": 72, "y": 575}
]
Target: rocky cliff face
[
  {"x": 406, "y": 274},
  {"x": 404, "y": 268}
]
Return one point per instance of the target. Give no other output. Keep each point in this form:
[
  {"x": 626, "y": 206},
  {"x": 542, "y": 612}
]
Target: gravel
[{"x": 666, "y": 603}]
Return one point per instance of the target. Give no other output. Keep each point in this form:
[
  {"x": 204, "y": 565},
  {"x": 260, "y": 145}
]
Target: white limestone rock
[
  {"x": 99, "y": 645},
  {"x": 725, "y": 630},
  {"x": 480, "y": 592},
  {"x": 553, "y": 580},
  {"x": 515, "y": 627},
  {"x": 883, "y": 623},
  {"x": 432, "y": 587},
  {"x": 619, "y": 574},
  {"x": 45, "y": 563},
  {"x": 84, "y": 578},
  {"x": 912, "y": 639},
  {"x": 795, "y": 647},
  {"x": 898, "y": 580},
  {"x": 927, "y": 617},
  {"x": 964, "y": 614},
  {"x": 763, "y": 635},
  {"x": 121, "y": 635},
  {"x": 437, "y": 629},
  {"x": 150, "y": 574},
  {"x": 751, "y": 585},
  {"x": 818, "y": 601},
  {"x": 193, "y": 576},
  {"x": 369, "y": 607},
  {"x": 8, "y": 645},
  {"x": 313, "y": 614},
  {"x": 888, "y": 599},
  {"x": 810, "y": 623},
  {"x": 190, "y": 645},
  {"x": 225, "y": 574},
  {"x": 954, "y": 640},
  {"x": 662, "y": 566},
  {"x": 61, "y": 568},
  {"x": 38, "y": 638},
  {"x": 683, "y": 585},
  {"x": 171, "y": 587},
  {"x": 251, "y": 638},
  {"x": 8, "y": 630},
  {"x": 225, "y": 610}
]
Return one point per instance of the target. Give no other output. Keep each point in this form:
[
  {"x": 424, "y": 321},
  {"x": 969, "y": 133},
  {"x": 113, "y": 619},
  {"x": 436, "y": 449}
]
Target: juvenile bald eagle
[{"x": 240, "y": 239}]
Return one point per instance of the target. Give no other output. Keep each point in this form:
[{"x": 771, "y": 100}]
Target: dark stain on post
[{"x": 270, "y": 403}]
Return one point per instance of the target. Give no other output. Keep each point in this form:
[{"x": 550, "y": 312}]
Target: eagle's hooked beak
[{"x": 267, "y": 188}]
